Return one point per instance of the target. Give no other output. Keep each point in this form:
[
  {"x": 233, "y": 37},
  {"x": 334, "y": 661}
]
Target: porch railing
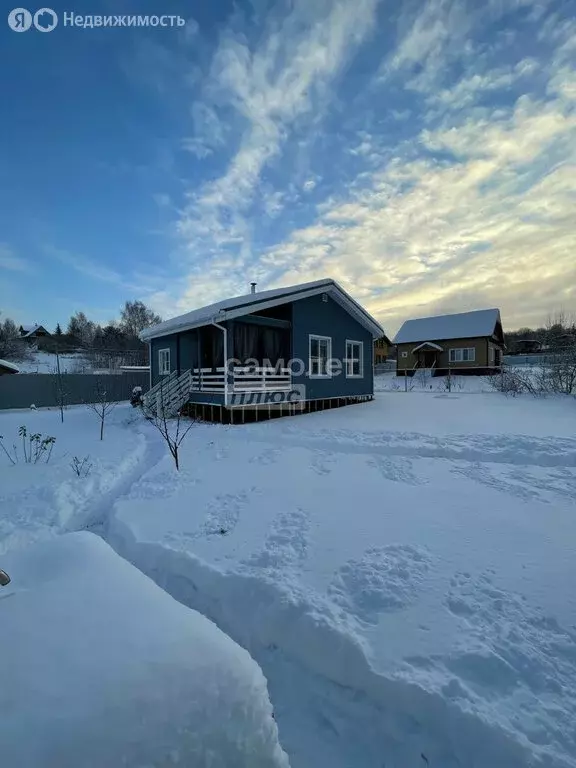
[{"x": 245, "y": 379}]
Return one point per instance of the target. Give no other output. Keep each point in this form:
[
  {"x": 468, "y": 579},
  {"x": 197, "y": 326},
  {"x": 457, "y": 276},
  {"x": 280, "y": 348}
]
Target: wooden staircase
[{"x": 169, "y": 395}]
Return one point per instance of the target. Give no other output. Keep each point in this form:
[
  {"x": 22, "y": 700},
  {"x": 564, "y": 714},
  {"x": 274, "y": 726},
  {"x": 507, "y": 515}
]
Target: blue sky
[{"x": 423, "y": 154}]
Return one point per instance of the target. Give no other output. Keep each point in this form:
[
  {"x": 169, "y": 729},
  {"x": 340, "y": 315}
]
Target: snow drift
[{"x": 100, "y": 667}]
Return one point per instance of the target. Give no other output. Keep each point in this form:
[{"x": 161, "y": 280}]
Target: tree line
[
  {"x": 558, "y": 333},
  {"x": 83, "y": 334}
]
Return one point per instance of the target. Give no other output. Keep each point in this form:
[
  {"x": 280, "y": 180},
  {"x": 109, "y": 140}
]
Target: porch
[
  {"x": 239, "y": 379},
  {"x": 427, "y": 356}
]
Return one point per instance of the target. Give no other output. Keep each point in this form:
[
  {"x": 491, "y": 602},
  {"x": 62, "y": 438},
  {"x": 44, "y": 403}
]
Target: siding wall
[
  {"x": 314, "y": 316},
  {"x": 480, "y": 345},
  {"x": 309, "y": 316},
  {"x": 183, "y": 352},
  {"x": 41, "y": 389}
]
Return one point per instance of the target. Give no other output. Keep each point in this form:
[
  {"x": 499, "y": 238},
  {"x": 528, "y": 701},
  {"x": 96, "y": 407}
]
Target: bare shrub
[
  {"x": 173, "y": 430},
  {"x": 101, "y": 405},
  {"x": 81, "y": 467},
  {"x": 35, "y": 446}
]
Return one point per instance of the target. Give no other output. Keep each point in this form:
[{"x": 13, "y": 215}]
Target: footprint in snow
[
  {"x": 383, "y": 579},
  {"x": 322, "y": 462},
  {"x": 269, "y": 456},
  {"x": 286, "y": 546},
  {"x": 511, "y": 645},
  {"x": 398, "y": 470}
]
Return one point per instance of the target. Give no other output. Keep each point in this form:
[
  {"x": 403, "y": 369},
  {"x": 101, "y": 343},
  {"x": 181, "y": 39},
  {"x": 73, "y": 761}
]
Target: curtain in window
[
  {"x": 261, "y": 343},
  {"x": 212, "y": 347},
  {"x": 246, "y": 342}
]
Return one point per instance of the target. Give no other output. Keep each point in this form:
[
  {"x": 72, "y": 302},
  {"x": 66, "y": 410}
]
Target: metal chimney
[{"x": 252, "y": 287}]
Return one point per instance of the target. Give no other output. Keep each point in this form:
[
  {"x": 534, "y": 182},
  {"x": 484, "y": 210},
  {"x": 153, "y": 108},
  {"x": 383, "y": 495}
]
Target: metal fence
[{"x": 45, "y": 390}]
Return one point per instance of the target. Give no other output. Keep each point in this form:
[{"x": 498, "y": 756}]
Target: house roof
[
  {"x": 9, "y": 366},
  {"x": 428, "y": 345},
  {"x": 30, "y": 329},
  {"x": 252, "y": 302},
  {"x": 463, "y": 325}
]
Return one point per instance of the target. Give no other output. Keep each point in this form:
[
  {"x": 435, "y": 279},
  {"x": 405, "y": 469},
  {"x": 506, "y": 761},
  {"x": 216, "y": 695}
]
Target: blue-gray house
[{"x": 305, "y": 347}]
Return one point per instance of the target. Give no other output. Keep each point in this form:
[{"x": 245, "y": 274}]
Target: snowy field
[
  {"x": 402, "y": 570},
  {"x": 45, "y": 362}
]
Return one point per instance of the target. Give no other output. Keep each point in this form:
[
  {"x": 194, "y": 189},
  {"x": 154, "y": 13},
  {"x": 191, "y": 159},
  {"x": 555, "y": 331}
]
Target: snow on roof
[
  {"x": 463, "y": 325},
  {"x": 250, "y": 302},
  {"x": 30, "y": 329},
  {"x": 9, "y": 366},
  {"x": 429, "y": 345}
]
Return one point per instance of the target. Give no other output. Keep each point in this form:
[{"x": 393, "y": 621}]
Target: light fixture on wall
[{"x": 324, "y": 297}]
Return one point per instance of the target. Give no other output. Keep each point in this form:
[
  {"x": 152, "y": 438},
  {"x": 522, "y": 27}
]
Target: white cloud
[
  {"x": 85, "y": 266},
  {"x": 270, "y": 89},
  {"x": 495, "y": 227},
  {"x": 10, "y": 261},
  {"x": 475, "y": 210}
]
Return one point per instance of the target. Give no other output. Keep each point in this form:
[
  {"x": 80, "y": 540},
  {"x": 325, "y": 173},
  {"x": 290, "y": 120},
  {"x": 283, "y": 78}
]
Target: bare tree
[
  {"x": 136, "y": 316},
  {"x": 173, "y": 431},
  {"x": 11, "y": 345},
  {"x": 101, "y": 405}
]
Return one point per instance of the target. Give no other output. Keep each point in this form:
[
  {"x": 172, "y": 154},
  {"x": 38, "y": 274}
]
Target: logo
[
  {"x": 45, "y": 20},
  {"x": 294, "y": 398},
  {"x": 20, "y": 20}
]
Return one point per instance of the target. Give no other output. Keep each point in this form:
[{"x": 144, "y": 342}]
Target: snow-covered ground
[
  {"x": 45, "y": 362},
  {"x": 401, "y": 570},
  {"x": 100, "y": 667}
]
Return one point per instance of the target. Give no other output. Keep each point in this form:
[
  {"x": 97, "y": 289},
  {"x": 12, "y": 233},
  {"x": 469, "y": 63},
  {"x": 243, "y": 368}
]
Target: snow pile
[
  {"x": 100, "y": 667},
  {"x": 9, "y": 366}
]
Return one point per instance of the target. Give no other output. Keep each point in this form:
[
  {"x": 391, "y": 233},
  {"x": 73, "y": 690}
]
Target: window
[
  {"x": 163, "y": 362},
  {"x": 320, "y": 349},
  {"x": 354, "y": 359},
  {"x": 467, "y": 355},
  {"x": 491, "y": 355}
]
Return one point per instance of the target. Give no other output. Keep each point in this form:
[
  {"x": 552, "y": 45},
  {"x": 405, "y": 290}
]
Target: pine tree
[{"x": 58, "y": 331}]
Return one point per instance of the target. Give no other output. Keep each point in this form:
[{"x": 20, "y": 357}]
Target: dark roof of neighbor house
[
  {"x": 28, "y": 330},
  {"x": 463, "y": 325},
  {"x": 9, "y": 366},
  {"x": 251, "y": 302}
]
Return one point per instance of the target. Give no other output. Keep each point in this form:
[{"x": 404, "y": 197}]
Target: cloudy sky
[{"x": 423, "y": 154}]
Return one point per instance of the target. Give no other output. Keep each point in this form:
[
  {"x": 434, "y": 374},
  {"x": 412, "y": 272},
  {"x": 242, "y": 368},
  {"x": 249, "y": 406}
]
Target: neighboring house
[
  {"x": 468, "y": 342},
  {"x": 309, "y": 346},
  {"x": 32, "y": 331},
  {"x": 6, "y": 368},
  {"x": 381, "y": 349},
  {"x": 527, "y": 346}
]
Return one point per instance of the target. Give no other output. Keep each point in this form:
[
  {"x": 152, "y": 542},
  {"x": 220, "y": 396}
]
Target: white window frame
[
  {"x": 349, "y": 361},
  {"x": 456, "y": 355},
  {"x": 315, "y": 337},
  {"x": 164, "y": 361}
]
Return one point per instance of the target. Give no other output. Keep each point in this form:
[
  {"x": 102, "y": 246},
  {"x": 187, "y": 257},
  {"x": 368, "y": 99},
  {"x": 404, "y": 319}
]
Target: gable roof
[
  {"x": 252, "y": 302},
  {"x": 28, "y": 330},
  {"x": 463, "y": 325}
]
